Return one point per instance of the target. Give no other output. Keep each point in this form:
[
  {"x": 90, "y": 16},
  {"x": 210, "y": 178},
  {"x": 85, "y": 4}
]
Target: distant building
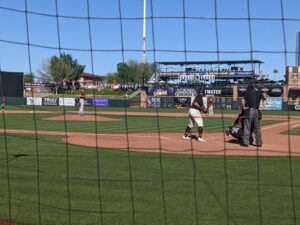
[
  {"x": 88, "y": 80},
  {"x": 293, "y": 82}
]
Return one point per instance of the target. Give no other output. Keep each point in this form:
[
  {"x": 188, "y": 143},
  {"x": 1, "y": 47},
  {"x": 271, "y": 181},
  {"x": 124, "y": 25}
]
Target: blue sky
[{"x": 169, "y": 36}]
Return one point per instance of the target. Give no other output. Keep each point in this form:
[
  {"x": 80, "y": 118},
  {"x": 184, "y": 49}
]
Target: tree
[
  {"x": 147, "y": 71},
  {"x": 28, "y": 78},
  {"x": 74, "y": 69},
  {"x": 44, "y": 73},
  {"x": 62, "y": 69},
  {"x": 124, "y": 73},
  {"x": 111, "y": 77},
  {"x": 134, "y": 72},
  {"x": 275, "y": 71}
]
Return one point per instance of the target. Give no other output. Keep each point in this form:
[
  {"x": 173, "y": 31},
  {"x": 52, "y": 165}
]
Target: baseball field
[{"x": 131, "y": 166}]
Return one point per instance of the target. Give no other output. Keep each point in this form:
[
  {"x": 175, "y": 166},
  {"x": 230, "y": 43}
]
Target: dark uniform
[
  {"x": 251, "y": 103},
  {"x": 237, "y": 132},
  {"x": 76, "y": 103}
]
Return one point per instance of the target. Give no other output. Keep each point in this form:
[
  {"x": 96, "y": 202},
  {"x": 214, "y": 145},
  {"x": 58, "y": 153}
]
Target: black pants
[{"x": 252, "y": 122}]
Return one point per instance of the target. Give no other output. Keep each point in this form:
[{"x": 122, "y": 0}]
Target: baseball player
[
  {"x": 76, "y": 103},
  {"x": 81, "y": 102},
  {"x": 195, "y": 117},
  {"x": 237, "y": 132}
]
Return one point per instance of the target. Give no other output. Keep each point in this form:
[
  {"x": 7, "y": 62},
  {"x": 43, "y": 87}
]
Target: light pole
[{"x": 144, "y": 41}]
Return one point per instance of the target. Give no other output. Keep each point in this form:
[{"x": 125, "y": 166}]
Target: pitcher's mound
[{"x": 81, "y": 118}]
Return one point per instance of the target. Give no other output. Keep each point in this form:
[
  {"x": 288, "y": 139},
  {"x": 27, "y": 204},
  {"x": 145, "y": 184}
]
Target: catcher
[
  {"x": 237, "y": 132},
  {"x": 195, "y": 117}
]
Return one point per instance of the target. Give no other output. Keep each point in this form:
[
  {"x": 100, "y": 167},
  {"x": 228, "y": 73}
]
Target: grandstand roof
[
  {"x": 91, "y": 76},
  {"x": 228, "y": 62}
]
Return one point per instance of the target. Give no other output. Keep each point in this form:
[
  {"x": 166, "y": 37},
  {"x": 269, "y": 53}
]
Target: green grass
[
  {"x": 123, "y": 109},
  {"x": 59, "y": 184},
  {"x": 130, "y": 123},
  {"x": 295, "y": 131},
  {"x": 44, "y": 181}
]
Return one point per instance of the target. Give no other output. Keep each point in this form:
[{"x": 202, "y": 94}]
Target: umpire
[{"x": 250, "y": 103}]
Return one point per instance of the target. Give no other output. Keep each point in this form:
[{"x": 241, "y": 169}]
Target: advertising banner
[
  {"x": 50, "y": 101},
  {"x": 273, "y": 104},
  {"x": 67, "y": 101},
  {"x": 241, "y": 90},
  {"x": 88, "y": 102},
  {"x": 153, "y": 102},
  {"x": 100, "y": 102},
  {"x": 276, "y": 92},
  {"x": 185, "y": 92},
  {"x": 160, "y": 92},
  {"x": 294, "y": 107},
  {"x": 182, "y": 101},
  {"x": 213, "y": 91},
  {"x": 34, "y": 101}
]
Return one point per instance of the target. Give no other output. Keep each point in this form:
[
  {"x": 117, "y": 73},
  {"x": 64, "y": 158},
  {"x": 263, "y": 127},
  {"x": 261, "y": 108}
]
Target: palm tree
[{"x": 275, "y": 71}]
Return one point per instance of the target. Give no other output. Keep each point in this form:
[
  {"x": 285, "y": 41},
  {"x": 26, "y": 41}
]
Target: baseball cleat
[
  {"x": 186, "y": 138},
  {"x": 201, "y": 139}
]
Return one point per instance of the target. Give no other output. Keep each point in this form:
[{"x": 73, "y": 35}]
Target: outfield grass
[
  {"x": 123, "y": 109},
  {"x": 138, "y": 124},
  {"x": 47, "y": 182}
]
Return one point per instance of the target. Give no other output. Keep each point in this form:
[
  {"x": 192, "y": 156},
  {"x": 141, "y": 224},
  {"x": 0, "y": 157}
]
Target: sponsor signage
[
  {"x": 183, "y": 101},
  {"x": 153, "y": 102},
  {"x": 295, "y": 107},
  {"x": 273, "y": 104},
  {"x": 213, "y": 92},
  {"x": 241, "y": 90},
  {"x": 161, "y": 92},
  {"x": 206, "y": 74},
  {"x": 88, "y": 102},
  {"x": 34, "y": 101},
  {"x": 196, "y": 76},
  {"x": 66, "y": 101},
  {"x": 50, "y": 101},
  {"x": 265, "y": 89},
  {"x": 185, "y": 92},
  {"x": 276, "y": 90},
  {"x": 100, "y": 102}
]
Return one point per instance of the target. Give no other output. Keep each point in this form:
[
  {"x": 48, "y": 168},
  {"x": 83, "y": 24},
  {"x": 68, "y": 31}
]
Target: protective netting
[{"x": 128, "y": 165}]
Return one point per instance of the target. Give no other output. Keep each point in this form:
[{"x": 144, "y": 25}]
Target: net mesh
[{"x": 48, "y": 177}]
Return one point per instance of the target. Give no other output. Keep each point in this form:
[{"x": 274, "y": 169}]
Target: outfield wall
[{"x": 151, "y": 102}]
